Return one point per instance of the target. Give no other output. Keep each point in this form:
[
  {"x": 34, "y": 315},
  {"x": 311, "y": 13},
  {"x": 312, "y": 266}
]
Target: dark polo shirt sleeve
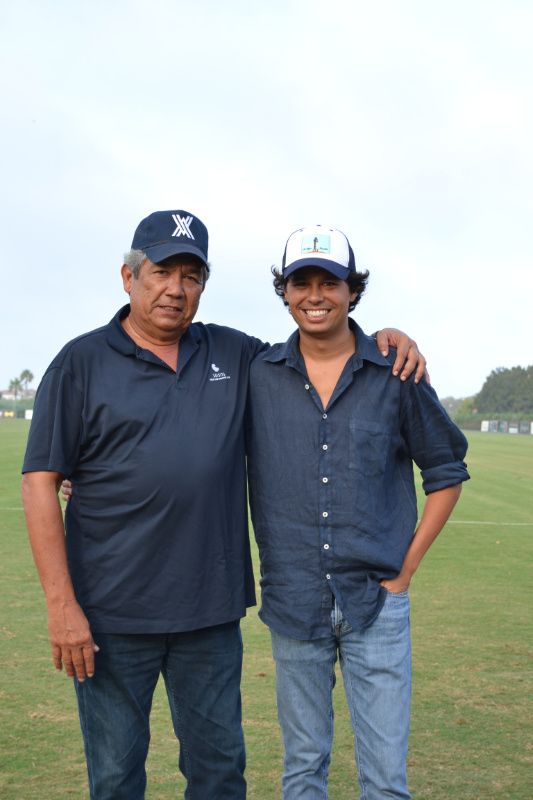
[
  {"x": 157, "y": 528},
  {"x": 56, "y": 428}
]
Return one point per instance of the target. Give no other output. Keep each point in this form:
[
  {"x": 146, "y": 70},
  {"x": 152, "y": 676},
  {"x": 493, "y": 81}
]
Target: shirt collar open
[{"x": 367, "y": 349}]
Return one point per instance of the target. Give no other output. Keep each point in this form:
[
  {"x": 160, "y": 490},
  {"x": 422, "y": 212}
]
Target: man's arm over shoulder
[
  {"x": 247, "y": 344},
  {"x": 70, "y": 636},
  {"x": 256, "y": 346},
  {"x": 408, "y": 356}
]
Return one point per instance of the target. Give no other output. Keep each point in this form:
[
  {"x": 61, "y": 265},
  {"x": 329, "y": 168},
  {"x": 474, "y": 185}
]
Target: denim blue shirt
[{"x": 331, "y": 489}]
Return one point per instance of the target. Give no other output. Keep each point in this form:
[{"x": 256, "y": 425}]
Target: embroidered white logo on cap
[
  {"x": 319, "y": 243},
  {"x": 182, "y": 226}
]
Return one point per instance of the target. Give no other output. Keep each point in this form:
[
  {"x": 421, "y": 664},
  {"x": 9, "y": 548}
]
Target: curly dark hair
[{"x": 356, "y": 281}]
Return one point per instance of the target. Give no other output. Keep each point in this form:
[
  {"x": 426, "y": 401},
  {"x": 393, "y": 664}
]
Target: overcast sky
[{"x": 408, "y": 125}]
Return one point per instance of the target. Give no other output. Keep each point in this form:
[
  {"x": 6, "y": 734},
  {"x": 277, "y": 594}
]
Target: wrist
[
  {"x": 57, "y": 599},
  {"x": 406, "y": 575}
]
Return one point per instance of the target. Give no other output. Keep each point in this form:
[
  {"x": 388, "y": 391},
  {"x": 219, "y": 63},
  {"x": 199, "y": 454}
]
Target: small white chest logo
[
  {"x": 182, "y": 226},
  {"x": 218, "y": 375}
]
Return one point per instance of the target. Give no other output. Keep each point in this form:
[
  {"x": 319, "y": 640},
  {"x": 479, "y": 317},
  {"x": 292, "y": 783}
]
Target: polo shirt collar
[
  {"x": 119, "y": 339},
  {"x": 117, "y": 336},
  {"x": 367, "y": 350}
]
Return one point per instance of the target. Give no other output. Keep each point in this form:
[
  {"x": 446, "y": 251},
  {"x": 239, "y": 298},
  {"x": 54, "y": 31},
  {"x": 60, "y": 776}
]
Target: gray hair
[{"x": 134, "y": 259}]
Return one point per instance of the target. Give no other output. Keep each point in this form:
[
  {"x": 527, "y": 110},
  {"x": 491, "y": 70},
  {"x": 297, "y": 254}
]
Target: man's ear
[{"x": 127, "y": 278}]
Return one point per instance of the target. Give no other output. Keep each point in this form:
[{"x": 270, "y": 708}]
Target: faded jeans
[{"x": 376, "y": 669}]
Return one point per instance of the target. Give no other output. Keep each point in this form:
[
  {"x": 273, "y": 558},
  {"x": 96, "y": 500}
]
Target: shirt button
[
  {"x": 328, "y": 577},
  {"x": 324, "y": 514},
  {"x": 307, "y": 386},
  {"x": 324, "y": 416},
  {"x": 326, "y": 547},
  {"x": 324, "y": 480},
  {"x": 324, "y": 447}
]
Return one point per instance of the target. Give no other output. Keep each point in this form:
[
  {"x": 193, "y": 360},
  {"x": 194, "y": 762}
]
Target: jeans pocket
[
  {"x": 396, "y": 595},
  {"x": 396, "y": 607}
]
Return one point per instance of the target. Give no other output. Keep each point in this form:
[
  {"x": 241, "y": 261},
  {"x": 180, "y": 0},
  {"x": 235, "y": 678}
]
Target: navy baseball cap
[
  {"x": 169, "y": 233},
  {"x": 318, "y": 246}
]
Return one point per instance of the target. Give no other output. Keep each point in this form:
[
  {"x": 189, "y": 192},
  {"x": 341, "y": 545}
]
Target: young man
[{"x": 332, "y": 438}]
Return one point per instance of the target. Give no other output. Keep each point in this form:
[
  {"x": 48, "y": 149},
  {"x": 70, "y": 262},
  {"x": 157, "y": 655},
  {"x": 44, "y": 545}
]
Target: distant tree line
[
  {"x": 507, "y": 391},
  {"x": 507, "y": 394}
]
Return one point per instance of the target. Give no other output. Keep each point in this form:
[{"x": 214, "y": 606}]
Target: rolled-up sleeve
[{"x": 434, "y": 441}]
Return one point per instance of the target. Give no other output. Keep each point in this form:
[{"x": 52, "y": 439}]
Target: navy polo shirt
[
  {"x": 331, "y": 489},
  {"x": 157, "y": 528}
]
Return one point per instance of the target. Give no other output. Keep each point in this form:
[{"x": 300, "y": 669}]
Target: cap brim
[
  {"x": 159, "y": 252},
  {"x": 336, "y": 269}
]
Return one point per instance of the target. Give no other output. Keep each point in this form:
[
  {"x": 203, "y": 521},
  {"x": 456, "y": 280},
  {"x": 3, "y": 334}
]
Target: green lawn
[{"x": 471, "y": 618}]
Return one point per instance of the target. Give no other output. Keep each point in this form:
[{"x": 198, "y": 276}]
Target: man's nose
[
  {"x": 315, "y": 293},
  {"x": 175, "y": 284}
]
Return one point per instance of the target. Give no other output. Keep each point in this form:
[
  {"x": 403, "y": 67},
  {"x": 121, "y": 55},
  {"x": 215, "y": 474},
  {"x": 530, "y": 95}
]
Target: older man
[{"x": 145, "y": 415}]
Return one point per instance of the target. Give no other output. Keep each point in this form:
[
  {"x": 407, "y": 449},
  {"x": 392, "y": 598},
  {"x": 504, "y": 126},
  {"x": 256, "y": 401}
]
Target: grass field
[{"x": 472, "y": 625}]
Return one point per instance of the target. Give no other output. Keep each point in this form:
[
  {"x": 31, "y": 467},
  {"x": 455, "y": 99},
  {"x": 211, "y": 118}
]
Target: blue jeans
[
  {"x": 202, "y": 673},
  {"x": 376, "y": 669}
]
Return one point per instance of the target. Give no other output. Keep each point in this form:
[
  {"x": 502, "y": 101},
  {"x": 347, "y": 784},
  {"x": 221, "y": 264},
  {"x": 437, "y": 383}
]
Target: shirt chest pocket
[{"x": 369, "y": 447}]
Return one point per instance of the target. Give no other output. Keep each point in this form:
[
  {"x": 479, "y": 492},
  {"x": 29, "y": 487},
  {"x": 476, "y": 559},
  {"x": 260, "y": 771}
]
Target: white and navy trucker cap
[{"x": 318, "y": 246}]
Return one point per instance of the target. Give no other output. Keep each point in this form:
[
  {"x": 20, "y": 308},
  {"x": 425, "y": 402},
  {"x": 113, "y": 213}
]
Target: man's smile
[{"x": 315, "y": 312}]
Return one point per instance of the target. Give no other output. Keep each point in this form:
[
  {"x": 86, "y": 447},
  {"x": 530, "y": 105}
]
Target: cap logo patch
[
  {"x": 183, "y": 226},
  {"x": 319, "y": 243}
]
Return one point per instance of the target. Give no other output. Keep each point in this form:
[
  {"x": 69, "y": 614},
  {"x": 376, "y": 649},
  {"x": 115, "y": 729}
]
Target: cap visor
[
  {"x": 336, "y": 269},
  {"x": 159, "y": 252}
]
